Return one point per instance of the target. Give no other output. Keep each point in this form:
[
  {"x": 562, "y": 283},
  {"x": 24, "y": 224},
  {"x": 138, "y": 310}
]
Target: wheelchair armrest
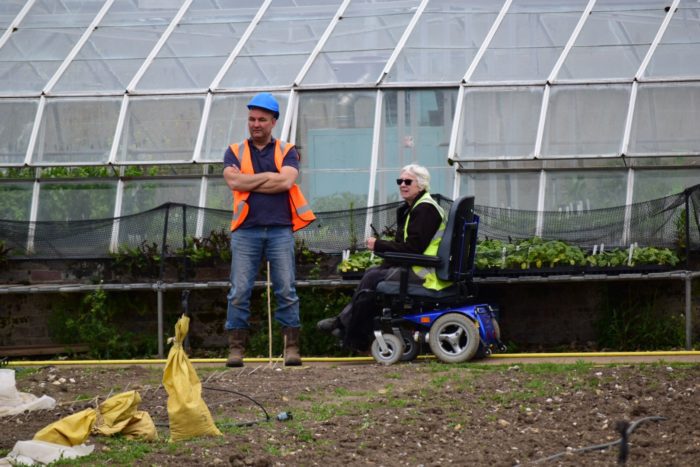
[{"x": 410, "y": 259}]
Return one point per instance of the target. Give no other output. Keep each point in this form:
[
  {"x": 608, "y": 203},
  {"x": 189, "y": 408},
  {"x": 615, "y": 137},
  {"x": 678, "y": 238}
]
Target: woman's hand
[{"x": 370, "y": 243}]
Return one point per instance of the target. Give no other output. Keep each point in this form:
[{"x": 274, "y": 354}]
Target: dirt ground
[{"x": 416, "y": 414}]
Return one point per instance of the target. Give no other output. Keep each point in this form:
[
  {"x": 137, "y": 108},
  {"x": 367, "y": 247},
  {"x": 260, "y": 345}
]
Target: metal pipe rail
[{"x": 160, "y": 287}]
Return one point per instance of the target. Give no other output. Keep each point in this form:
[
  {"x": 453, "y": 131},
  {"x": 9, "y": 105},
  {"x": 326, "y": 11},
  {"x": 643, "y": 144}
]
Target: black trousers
[{"x": 357, "y": 317}]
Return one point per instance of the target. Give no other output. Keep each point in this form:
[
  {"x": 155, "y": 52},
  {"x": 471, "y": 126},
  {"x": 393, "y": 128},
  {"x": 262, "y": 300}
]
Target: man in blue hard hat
[{"x": 267, "y": 207}]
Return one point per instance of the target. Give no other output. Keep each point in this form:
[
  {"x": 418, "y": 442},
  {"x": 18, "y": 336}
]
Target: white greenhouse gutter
[
  {"x": 78, "y": 46},
  {"x": 657, "y": 39},
  {"x": 570, "y": 43},
  {"x": 402, "y": 41},
  {"x": 487, "y": 41},
  {"x": 321, "y": 43},
  {"x": 374, "y": 161},
  {"x": 239, "y": 46},
  {"x": 16, "y": 22}
]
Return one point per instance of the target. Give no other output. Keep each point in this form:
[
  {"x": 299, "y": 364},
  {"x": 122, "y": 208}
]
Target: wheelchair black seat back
[
  {"x": 450, "y": 320},
  {"x": 454, "y": 261}
]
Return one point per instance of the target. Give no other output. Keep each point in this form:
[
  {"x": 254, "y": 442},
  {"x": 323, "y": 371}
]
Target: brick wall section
[{"x": 547, "y": 314}]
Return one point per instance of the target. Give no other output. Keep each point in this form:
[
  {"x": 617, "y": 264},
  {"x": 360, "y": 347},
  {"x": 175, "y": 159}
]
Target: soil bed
[{"x": 423, "y": 413}]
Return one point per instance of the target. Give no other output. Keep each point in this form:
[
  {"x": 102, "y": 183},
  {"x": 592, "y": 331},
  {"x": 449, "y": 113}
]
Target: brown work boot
[
  {"x": 291, "y": 346},
  {"x": 237, "y": 339}
]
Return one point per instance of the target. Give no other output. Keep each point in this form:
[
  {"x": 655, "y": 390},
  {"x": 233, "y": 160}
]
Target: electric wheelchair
[{"x": 455, "y": 325}]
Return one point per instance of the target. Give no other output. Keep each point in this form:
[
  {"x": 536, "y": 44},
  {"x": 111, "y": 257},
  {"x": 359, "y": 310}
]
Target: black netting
[{"x": 663, "y": 222}]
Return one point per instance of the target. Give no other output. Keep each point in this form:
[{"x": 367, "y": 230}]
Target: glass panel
[
  {"x": 653, "y": 184},
  {"x": 416, "y": 128},
  {"x": 281, "y": 43},
  {"x": 362, "y": 42},
  {"x": 69, "y": 201},
  {"x": 529, "y": 41},
  {"x": 16, "y": 123},
  {"x": 77, "y": 130},
  {"x": 37, "y": 48},
  {"x": 16, "y": 200},
  {"x": 614, "y": 39},
  {"x": 509, "y": 190},
  {"x": 142, "y": 195},
  {"x": 585, "y": 120},
  {"x": 665, "y": 119},
  {"x": 499, "y": 122},
  {"x": 444, "y": 41},
  {"x": 116, "y": 49},
  {"x": 582, "y": 191},
  {"x": 197, "y": 49},
  {"x": 219, "y": 196},
  {"x": 334, "y": 138},
  {"x": 678, "y": 54},
  {"x": 8, "y": 12},
  {"x": 160, "y": 129},
  {"x": 228, "y": 123}
]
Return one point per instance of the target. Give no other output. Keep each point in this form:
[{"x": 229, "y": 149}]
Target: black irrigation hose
[
  {"x": 253, "y": 422},
  {"x": 625, "y": 428},
  {"x": 281, "y": 417}
]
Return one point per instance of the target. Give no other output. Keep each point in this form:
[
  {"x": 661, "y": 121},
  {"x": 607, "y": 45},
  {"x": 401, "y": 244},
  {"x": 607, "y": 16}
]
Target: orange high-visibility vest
[{"x": 301, "y": 212}]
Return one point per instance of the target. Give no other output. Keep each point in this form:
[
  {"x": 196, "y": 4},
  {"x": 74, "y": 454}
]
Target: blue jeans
[{"x": 248, "y": 248}]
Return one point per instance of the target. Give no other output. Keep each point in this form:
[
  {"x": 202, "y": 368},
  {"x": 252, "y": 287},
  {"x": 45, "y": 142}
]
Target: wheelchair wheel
[
  {"x": 454, "y": 338},
  {"x": 411, "y": 348},
  {"x": 392, "y": 354}
]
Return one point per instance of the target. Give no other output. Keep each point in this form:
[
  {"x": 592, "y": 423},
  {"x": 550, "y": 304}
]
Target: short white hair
[{"x": 421, "y": 173}]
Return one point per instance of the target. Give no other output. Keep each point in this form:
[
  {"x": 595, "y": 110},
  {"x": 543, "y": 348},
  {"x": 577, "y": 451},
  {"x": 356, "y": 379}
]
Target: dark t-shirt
[{"x": 266, "y": 210}]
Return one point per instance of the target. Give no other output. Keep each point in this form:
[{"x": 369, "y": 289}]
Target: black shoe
[{"x": 328, "y": 324}]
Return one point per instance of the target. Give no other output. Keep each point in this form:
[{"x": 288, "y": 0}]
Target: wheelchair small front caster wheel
[
  {"x": 502, "y": 348},
  {"x": 391, "y": 354},
  {"x": 411, "y": 348}
]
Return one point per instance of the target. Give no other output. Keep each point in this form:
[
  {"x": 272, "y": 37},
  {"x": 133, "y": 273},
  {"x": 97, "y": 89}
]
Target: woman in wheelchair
[{"x": 420, "y": 224}]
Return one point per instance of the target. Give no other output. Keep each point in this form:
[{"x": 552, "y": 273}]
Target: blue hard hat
[{"x": 266, "y": 101}]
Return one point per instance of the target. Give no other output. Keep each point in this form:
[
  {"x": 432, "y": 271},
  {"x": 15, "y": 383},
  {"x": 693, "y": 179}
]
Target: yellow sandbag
[
  {"x": 69, "y": 431},
  {"x": 115, "y": 413},
  {"x": 141, "y": 426},
  {"x": 189, "y": 415}
]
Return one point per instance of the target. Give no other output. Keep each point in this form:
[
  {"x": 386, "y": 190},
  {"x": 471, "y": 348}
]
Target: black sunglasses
[{"x": 405, "y": 181}]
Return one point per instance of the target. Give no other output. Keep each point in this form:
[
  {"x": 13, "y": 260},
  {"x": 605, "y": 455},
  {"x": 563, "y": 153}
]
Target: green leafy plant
[
  {"x": 143, "y": 259},
  {"x": 306, "y": 258},
  {"x": 215, "y": 247},
  {"x": 92, "y": 321},
  {"x": 636, "y": 322},
  {"x": 359, "y": 261},
  {"x": 535, "y": 253}
]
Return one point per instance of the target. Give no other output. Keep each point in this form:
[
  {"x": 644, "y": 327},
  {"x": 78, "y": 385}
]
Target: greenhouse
[
  {"x": 572, "y": 123},
  {"x": 110, "y": 108}
]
